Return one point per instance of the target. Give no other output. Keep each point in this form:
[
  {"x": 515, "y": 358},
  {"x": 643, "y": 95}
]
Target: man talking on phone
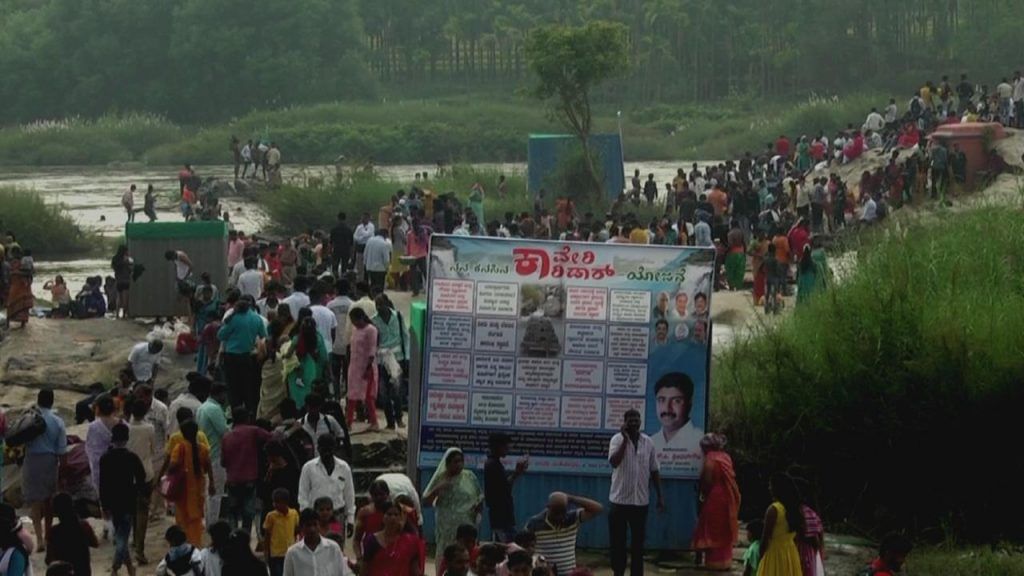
[
  {"x": 498, "y": 487},
  {"x": 634, "y": 466}
]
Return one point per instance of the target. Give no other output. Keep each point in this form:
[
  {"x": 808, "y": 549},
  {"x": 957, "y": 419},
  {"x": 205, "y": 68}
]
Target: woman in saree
[
  {"x": 455, "y": 493},
  {"x": 807, "y": 278},
  {"x": 273, "y": 390},
  {"x": 394, "y": 550},
  {"x": 310, "y": 352},
  {"x": 190, "y": 463},
  {"x": 19, "y": 296},
  {"x": 476, "y": 203},
  {"x": 718, "y": 525}
]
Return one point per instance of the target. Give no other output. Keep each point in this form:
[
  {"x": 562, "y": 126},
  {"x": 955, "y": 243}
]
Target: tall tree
[{"x": 569, "y": 62}]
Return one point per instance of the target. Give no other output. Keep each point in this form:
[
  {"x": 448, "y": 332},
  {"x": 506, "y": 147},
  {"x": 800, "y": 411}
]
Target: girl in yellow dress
[{"x": 782, "y": 522}]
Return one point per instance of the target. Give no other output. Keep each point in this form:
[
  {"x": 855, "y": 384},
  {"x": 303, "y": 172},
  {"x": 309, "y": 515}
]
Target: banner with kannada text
[{"x": 551, "y": 342}]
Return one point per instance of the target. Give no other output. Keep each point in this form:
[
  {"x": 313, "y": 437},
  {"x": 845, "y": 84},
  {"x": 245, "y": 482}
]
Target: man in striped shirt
[
  {"x": 634, "y": 466},
  {"x": 557, "y": 526}
]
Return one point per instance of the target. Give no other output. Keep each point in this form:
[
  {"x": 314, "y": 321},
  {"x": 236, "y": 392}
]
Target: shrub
[
  {"x": 45, "y": 229},
  {"x": 895, "y": 393},
  {"x": 315, "y": 204}
]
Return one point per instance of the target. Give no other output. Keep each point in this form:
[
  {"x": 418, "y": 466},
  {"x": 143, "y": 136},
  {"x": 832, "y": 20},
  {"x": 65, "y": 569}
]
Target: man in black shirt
[
  {"x": 498, "y": 488},
  {"x": 341, "y": 246},
  {"x": 122, "y": 479}
]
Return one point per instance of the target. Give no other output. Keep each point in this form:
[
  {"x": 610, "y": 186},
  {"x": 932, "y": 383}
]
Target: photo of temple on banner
[{"x": 552, "y": 342}]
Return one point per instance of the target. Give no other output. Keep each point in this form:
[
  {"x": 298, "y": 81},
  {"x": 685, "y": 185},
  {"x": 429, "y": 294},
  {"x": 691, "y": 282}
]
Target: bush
[
  {"x": 45, "y": 229},
  {"x": 315, "y": 205},
  {"x": 895, "y": 393}
]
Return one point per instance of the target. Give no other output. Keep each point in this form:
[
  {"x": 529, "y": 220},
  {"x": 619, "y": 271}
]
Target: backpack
[{"x": 28, "y": 427}]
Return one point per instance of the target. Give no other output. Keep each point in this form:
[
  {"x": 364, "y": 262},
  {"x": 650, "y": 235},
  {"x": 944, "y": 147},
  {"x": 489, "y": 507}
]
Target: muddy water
[{"x": 92, "y": 196}]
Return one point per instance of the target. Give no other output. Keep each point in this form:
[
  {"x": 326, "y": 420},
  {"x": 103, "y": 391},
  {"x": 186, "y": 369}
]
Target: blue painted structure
[{"x": 544, "y": 152}]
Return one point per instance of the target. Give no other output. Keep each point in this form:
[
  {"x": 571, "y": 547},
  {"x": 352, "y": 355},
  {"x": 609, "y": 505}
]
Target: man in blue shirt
[
  {"x": 42, "y": 461},
  {"x": 241, "y": 330}
]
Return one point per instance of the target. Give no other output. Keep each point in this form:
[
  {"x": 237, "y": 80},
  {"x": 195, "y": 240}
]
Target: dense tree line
[{"x": 213, "y": 59}]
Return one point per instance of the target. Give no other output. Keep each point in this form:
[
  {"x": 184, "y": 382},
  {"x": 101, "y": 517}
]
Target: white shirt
[
  {"x": 296, "y": 301},
  {"x": 874, "y": 122},
  {"x": 251, "y": 282},
  {"x": 181, "y": 269},
  {"x": 377, "y": 257},
  {"x": 363, "y": 233},
  {"x": 326, "y": 424},
  {"x": 1004, "y": 90},
  {"x": 326, "y": 560},
  {"x": 870, "y": 213},
  {"x": 157, "y": 416},
  {"x": 236, "y": 273},
  {"x": 632, "y": 478},
  {"x": 213, "y": 565},
  {"x": 315, "y": 482},
  {"x": 326, "y": 321},
  {"x": 143, "y": 361},
  {"x": 1018, "y": 90},
  {"x": 682, "y": 453},
  {"x": 891, "y": 113},
  {"x": 184, "y": 400},
  {"x": 246, "y": 153},
  {"x": 340, "y": 307}
]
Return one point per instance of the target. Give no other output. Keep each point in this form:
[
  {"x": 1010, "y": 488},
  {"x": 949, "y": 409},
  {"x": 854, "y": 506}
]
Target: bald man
[{"x": 556, "y": 528}]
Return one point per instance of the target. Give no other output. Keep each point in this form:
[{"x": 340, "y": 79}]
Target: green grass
[
  {"x": 469, "y": 128},
  {"x": 45, "y": 229},
  {"x": 970, "y": 561},
  {"x": 876, "y": 392}
]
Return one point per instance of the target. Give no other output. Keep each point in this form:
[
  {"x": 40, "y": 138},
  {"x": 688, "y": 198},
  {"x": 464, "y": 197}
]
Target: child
[
  {"x": 280, "y": 526},
  {"x": 753, "y": 555},
  {"x": 328, "y": 522},
  {"x": 892, "y": 555},
  {"x": 466, "y": 534},
  {"x": 182, "y": 558}
]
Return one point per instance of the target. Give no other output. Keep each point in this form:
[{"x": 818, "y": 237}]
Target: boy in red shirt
[{"x": 892, "y": 554}]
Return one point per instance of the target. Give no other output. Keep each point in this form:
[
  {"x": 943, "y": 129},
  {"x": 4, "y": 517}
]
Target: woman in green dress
[
  {"x": 455, "y": 493},
  {"x": 807, "y": 282},
  {"x": 803, "y": 155},
  {"x": 309, "y": 350}
]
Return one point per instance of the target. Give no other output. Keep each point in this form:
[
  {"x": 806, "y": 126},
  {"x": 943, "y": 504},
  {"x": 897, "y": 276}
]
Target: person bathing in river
[{"x": 149, "y": 204}]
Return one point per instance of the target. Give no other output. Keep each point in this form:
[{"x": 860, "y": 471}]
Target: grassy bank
[
  {"x": 45, "y": 229},
  {"x": 454, "y": 129},
  {"x": 893, "y": 393}
]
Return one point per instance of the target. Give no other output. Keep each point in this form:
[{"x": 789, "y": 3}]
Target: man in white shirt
[
  {"x": 298, "y": 299},
  {"x": 677, "y": 444},
  {"x": 870, "y": 211},
  {"x": 327, "y": 476},
  {"x": 892, "y": 114},
  {"x": 377, "y": 258},
  {"x": 634, "y": 466},
  {"x": 364, "y": 231},
  {"x": 145, "y": 359},
  {"x": 192, "y": 398},
  {"x": 874, "y": 121},
  {"x": 326, "y": 321},
  {"x": 314, "y": 555},
  {"x": 340, "y": 306},
  {"x": 128, "y": 202},
  {"x": 251, "y": 281}
]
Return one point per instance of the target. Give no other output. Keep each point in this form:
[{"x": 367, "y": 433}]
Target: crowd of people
[{"x": 287, "y": 483}]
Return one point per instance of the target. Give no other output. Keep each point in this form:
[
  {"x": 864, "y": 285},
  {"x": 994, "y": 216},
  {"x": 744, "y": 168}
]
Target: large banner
[{"x": 552, "y": 342}]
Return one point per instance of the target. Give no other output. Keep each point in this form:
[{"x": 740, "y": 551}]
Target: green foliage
[
  {"x": 572, "y": 177},
  {"x": 879, "y": 387},
  {"x": 45, "y": 229},
  {"x": 966, "y": 561},
  {"x": 315, "y": 205},
  {"x": 569, "y": 63}
]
